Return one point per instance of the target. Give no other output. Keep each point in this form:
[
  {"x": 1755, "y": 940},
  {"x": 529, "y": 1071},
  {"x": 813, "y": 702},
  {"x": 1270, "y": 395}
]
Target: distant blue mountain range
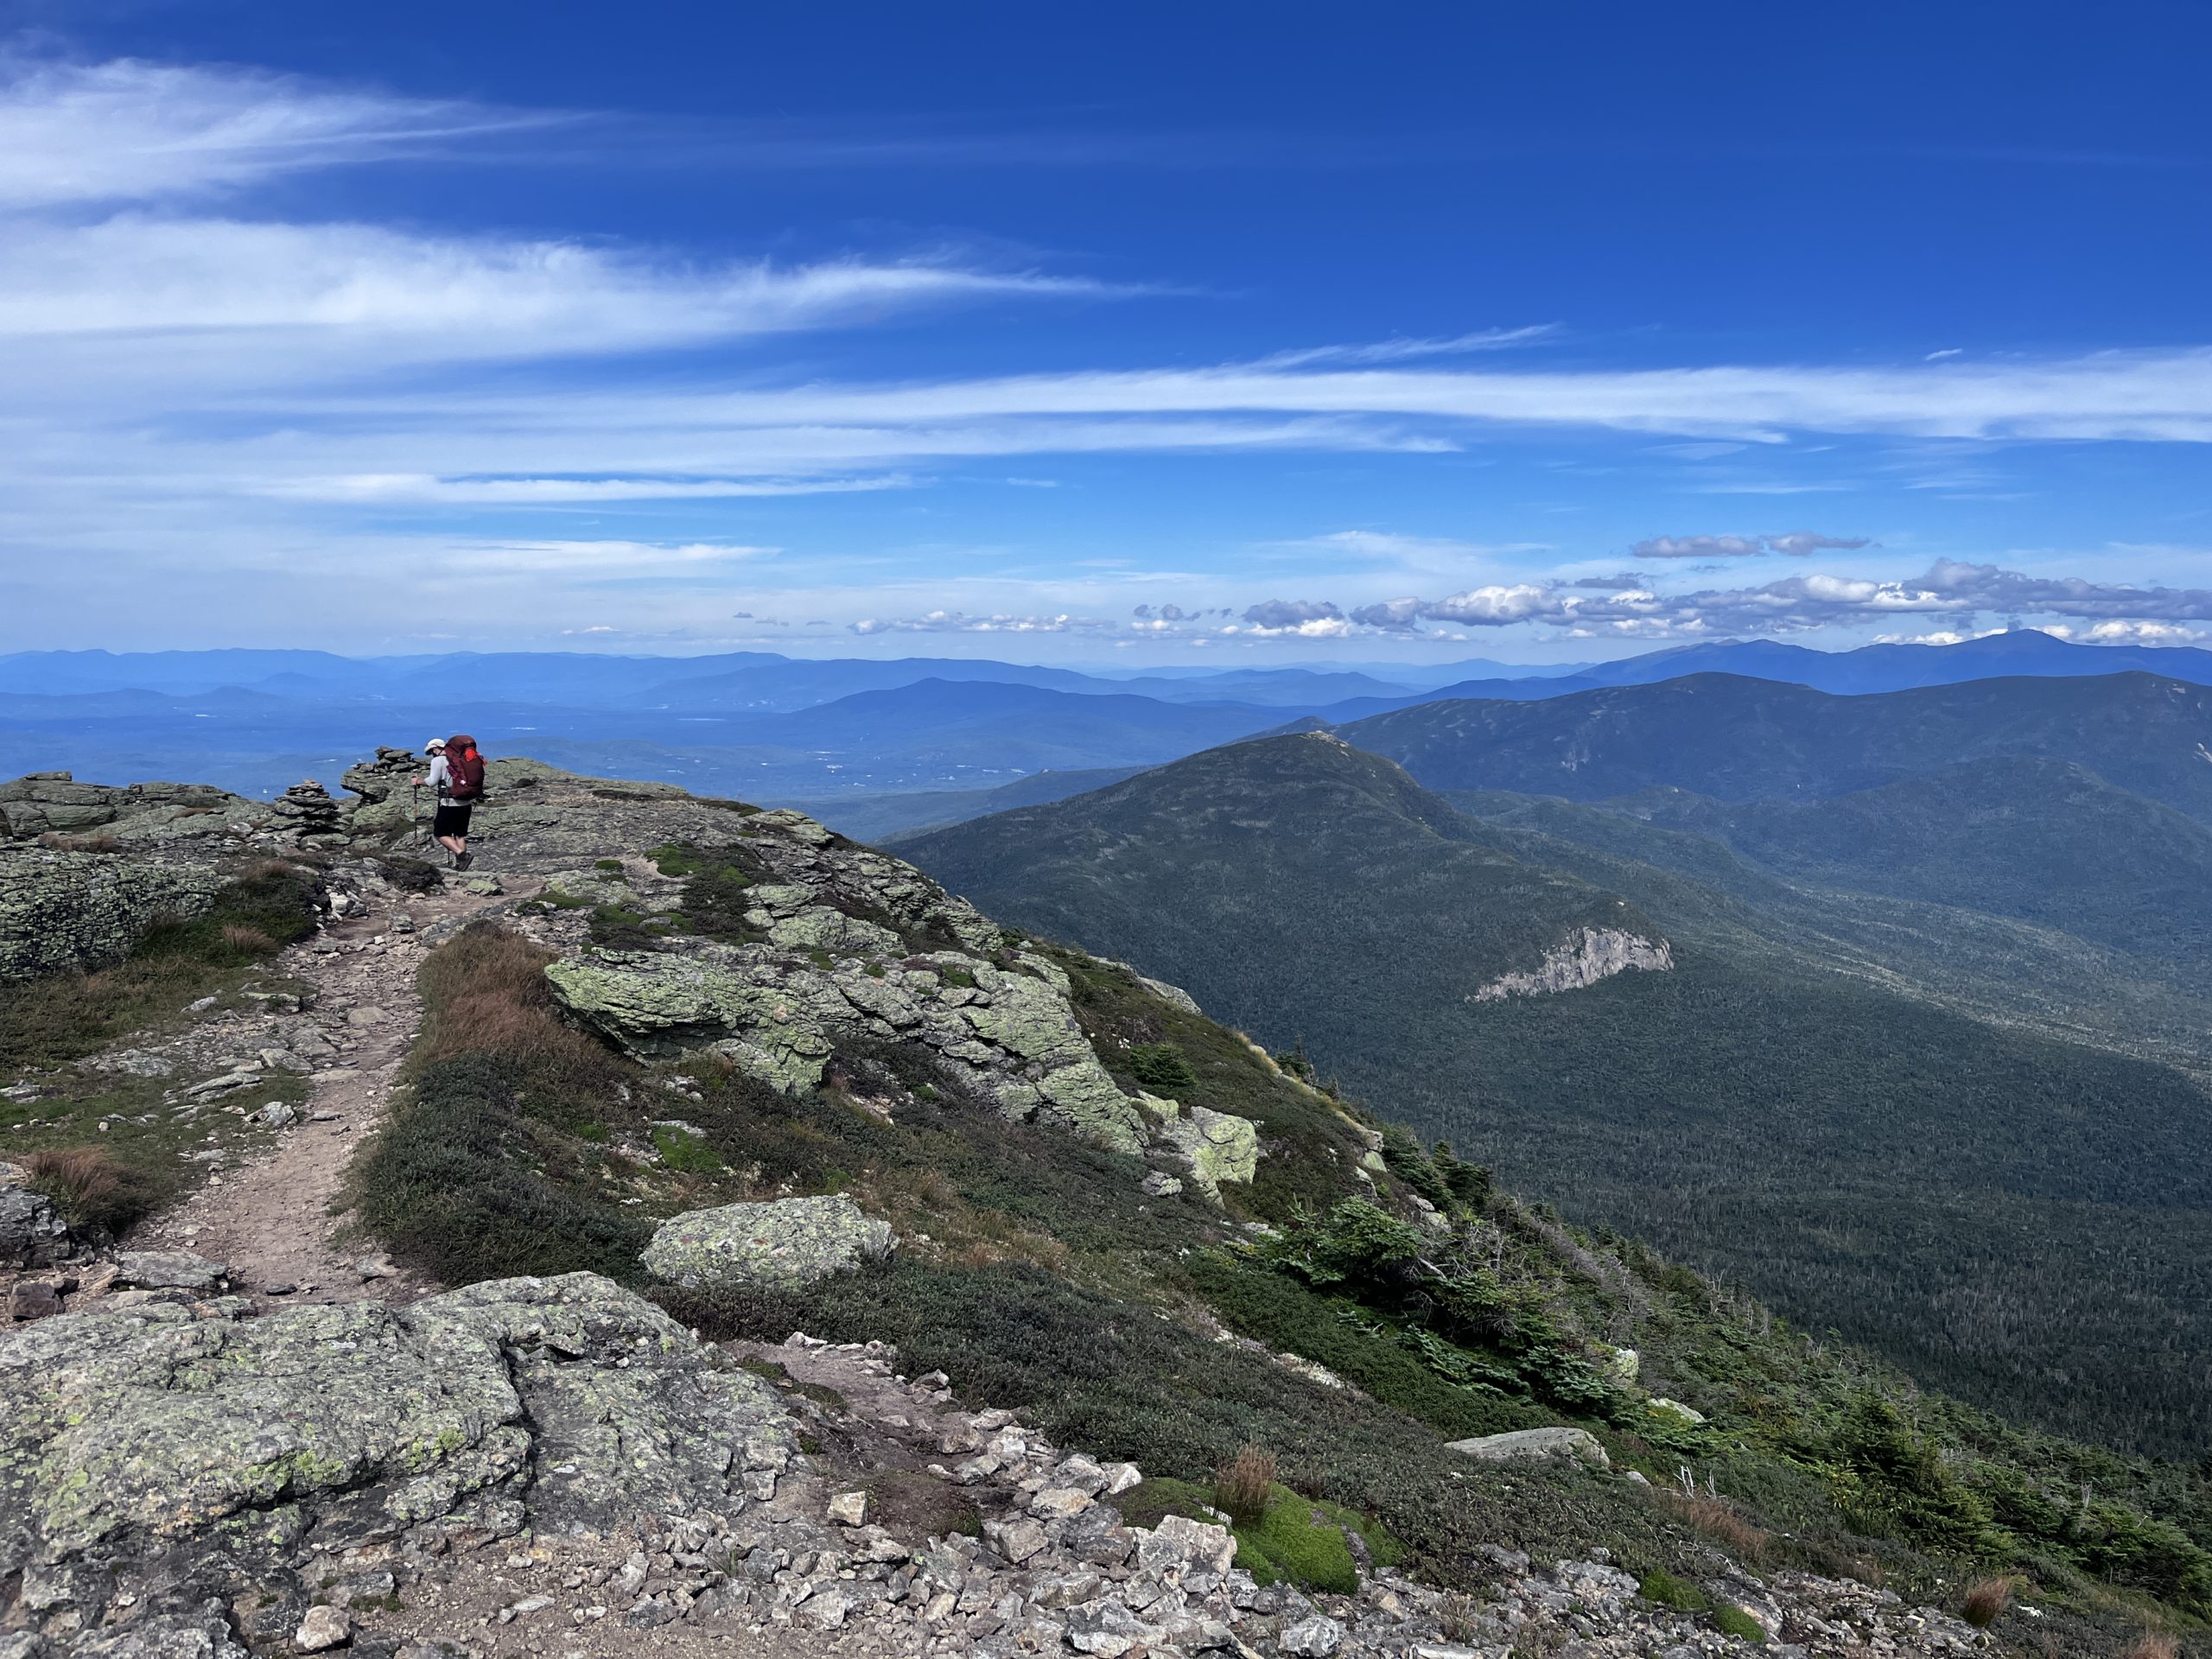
[{"x": 778, "y": 729}]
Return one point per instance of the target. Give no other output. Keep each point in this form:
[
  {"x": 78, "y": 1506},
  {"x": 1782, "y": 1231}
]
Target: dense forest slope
[
  {"x": 1742, "y": 740},
  {"x": 1843, "y": 1109}
]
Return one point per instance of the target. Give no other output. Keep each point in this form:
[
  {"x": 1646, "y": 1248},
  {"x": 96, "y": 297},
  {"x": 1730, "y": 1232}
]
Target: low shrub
[
  {"x": 481, "y": 1170},
  {"x": 686, "y": 1153},
  {"x": 1731, "y": 1620},
  {"x": 1160, "y": 1066},
  {"x": 1664, "y": 1590},
  {"x": 462, "y": 1186}
]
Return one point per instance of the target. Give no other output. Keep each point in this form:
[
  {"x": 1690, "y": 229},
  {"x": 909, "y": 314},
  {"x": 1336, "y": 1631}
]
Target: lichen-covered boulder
[
  {"x": 1535, "y": 1443},
  {"x": 32, "y": 1232},
  {"x": 139, "y": 815},
  {"x": 61, "y": 910},
  {"x": 781, "y": 1244},
  {"x": 1009, "y": 1034},
  {"x": 1217, "y": 1146},
  {"x": 566, "y": 1403}
]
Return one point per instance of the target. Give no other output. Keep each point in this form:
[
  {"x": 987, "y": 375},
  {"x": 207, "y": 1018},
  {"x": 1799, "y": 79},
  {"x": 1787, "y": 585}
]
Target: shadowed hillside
[{"x": 1785, "y": 1103}]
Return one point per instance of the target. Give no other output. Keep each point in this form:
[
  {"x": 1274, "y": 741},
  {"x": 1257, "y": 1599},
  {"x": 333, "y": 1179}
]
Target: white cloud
[
  {"x": 1954, "y": 591},
  {"x": 1401, "y": 351},
  {"x": 1798, "y": 543},
  {"x": 426, "y": 489},
  {"x": 363, "y": 297},
  {"x": 2165, "y": 396},
  {"x": 130, "y": 130},
  {"x": 2130, "y": 633},
  {"x": 1801, "y": 544},
  {"x": 1277, "y": 615},
  {"x": 591, "y": 557},
  {"x": 1699, "y": 547},
  {"x": 960, "y": 622}
]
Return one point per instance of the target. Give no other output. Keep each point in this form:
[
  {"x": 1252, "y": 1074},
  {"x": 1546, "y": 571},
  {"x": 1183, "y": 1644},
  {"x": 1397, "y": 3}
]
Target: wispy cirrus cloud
[
  {"x": 1399, "y": 350},
  {"x": 132, "y": 131},
  {"x": 427, "y": 489},
  {"x": 1798, "y": 543}
]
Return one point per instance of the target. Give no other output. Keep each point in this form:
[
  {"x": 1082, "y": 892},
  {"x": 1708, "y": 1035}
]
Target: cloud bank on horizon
[{"x": 285, "y": 366}]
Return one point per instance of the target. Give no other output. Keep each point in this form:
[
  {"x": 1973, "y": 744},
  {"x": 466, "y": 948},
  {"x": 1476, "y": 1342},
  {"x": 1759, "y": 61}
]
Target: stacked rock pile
[
  {"x": 307, "y": 812},
  {"x": 387, "y": 775}
]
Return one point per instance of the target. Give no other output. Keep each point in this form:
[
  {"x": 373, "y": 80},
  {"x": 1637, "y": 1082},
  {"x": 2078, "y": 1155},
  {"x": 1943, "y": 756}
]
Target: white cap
[{"x": 433, "y": 746}]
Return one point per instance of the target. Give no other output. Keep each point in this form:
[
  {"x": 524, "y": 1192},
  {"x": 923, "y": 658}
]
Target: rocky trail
[{"x": 270, "y": 1221}]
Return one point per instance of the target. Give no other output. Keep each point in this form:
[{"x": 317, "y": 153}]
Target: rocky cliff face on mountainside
[{"x": 1595, "y": 954}]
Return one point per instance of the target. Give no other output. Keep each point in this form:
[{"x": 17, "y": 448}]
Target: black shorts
[{"x": 453, "y": 819}]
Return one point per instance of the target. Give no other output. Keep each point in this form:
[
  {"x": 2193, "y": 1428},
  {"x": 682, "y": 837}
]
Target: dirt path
[{"x": 269, "y": 1220}]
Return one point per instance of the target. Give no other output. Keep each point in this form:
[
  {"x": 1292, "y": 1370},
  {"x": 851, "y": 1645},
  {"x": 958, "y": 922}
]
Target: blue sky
[{"x": 1256, "y": 334}]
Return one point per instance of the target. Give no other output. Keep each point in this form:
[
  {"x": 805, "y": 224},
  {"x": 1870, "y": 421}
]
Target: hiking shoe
[{"x": 464, "y": 861}]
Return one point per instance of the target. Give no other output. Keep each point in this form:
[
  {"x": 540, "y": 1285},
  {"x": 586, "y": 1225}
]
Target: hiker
[{"x": 457, "y": 774}]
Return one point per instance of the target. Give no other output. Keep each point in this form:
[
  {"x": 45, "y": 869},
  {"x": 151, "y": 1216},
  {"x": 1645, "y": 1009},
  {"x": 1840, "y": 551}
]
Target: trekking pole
[{"x": 414, "y": 813}]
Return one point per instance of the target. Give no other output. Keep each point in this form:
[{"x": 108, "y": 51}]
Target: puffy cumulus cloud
[
  {"x": 1697, "y": 547},
  {"x": 1950, "y": 593},
  {"x": 1496, "y": 605},
  {"x": 1798, "y": 543},
  {"x": 961, "y": 622},
  {"x": 1801, "y": 544},
  {"x": 1390, "y": 615},
  {"x": 1987, "y": 588},
  {"x": 2129, "y": 633},
  {"x": 1162, "y": 613},
  {"x": 1280, "y": 615}
]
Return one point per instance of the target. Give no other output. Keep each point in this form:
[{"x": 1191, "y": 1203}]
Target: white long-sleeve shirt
[{"x": 440, "y": 777}]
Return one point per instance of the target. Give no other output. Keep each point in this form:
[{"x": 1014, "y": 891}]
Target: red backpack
[{"x": 464, "y": 769}]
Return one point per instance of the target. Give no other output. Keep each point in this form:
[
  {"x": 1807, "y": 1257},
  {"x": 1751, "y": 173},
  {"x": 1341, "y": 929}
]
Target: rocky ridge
[
  {"x": 528, "y": 1460},
  {"x": 194, "y": 1467}
]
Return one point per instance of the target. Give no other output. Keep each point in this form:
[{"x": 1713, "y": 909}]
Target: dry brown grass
[
  {"x": 1985, "y": 1602},
  {"x": 93, "y": 1187},
  {"x": 484, "y": 992},
  {"x": 2153, "y": 1644},
  {"x": 97, "y": 843},
  {"x": 247, "y": 941},
  {"x": 1717, "y": 1519},
  {"x": 1241, "y": 1486}
]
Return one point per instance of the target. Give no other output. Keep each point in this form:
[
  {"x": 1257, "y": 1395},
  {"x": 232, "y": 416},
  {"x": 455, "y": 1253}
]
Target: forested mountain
[
  {"x": 1744, "y": 740},
  {"x": 1866, "y": 670},
  {"x": 1868, "y": 1108}
]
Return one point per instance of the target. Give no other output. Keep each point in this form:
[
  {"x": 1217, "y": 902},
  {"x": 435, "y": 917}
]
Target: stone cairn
[
  {"x": 306, "y": 811},
  {"x": 385, "y": 776}
]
